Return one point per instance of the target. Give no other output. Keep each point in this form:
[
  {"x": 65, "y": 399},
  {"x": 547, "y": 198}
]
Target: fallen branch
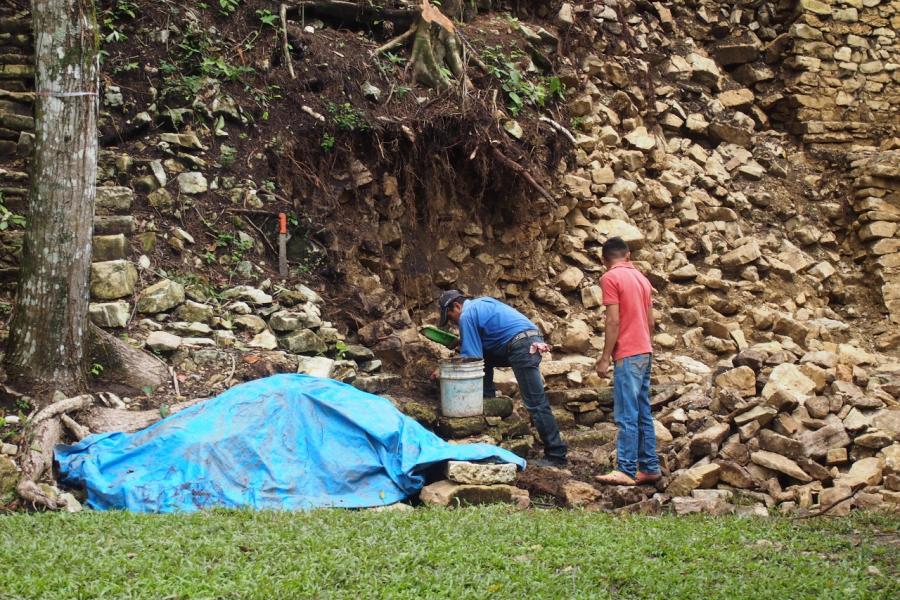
[
  {"x": 511, "y": 164},
  {"x": 285, "y": 45},
  {"x": 559, "y": 128}
]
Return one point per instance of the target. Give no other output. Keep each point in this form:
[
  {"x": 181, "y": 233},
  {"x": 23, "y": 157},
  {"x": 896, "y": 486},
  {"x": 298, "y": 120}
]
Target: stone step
[
  {"x": 114, "y": 200},
  {"x": 16, "y": 108},
  {"x": 13, "y": 192},
  {"x": 15, "y": 25},
  {"x": 16, "y": 71},
  {"x": 9, "y": 58},
  {"x": 7, "y": 176},
  {"x": 17, "y": 122},
  {"x": 16, "y": 85},
  {"x": 13, "y": 96},
  {"x": 113, "y": 224}
]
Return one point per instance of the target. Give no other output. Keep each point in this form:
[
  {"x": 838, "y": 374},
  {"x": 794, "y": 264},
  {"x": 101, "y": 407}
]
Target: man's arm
[
  {"x": 611, "y": 336},
  {"x": 651, "y": 320},
  {"x": 470, "y": 340}
]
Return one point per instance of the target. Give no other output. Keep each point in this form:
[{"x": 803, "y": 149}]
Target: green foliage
[
  {"x": 267, "y": 17},
  {"x": 429, "y": 553},
  {"x": 520, "y": 90},
  {"x": 5, "y": 308},
  {"x": 347, "y": 117},
  {"x": 327, "y": 143},
  {"x": 577, "y": 123},
  {"x": 96, "y": 369},
  {"x": 401, "y": 90},
  {"x": 340, "y": 349},
  {"x": 126, "y": 67},
  {"x": 9, "y": 219},
  {"x": 227, "y": 7},
  {"x": 395, "y": 59},
  {"x": 227, "y": 155},
  {"x": 196, "y": 58},
  {"x": 111, "y": 18},
  {"x": 235, "y": 248}
]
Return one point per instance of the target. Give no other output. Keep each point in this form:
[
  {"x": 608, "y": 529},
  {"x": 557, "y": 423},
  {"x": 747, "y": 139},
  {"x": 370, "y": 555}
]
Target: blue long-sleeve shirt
[{"x": 486, "y": 325}]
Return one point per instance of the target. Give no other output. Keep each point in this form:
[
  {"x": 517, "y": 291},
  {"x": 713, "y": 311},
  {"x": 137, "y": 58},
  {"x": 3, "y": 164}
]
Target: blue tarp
[{"x": 288, "y": 442}]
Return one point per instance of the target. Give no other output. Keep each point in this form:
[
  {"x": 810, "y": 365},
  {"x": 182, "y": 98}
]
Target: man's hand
[{"x": 603, "y": 366}]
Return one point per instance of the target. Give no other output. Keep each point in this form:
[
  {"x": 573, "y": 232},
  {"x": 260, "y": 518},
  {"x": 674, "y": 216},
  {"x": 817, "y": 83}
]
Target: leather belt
[{"x": 521, "y": 336}]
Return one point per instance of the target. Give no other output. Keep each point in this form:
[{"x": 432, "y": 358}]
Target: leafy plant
[
  {"x": 340, "y": 349},
  {"x": 327, "y": 143},
  {"x": 109, "y": 18},
  {"x": 124, "y": 68},
  {"x": 9, "y": 219},
  {"x": 347, "y": 117},
  {"x": 227, "y": 7},
  {"x": 267, "y": 17},
  {"x": 96, "y": 369},
  {"x": 395, "y": 59},
  {"x": 520, "y": 91},
  {"x": 227, "y": 155}
]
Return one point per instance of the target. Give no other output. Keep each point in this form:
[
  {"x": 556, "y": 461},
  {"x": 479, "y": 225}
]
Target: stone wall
[
  {"x": 842, "y": 77},
  {"x": 877, "y": 200},
  {"x": 16, "y": 126}
]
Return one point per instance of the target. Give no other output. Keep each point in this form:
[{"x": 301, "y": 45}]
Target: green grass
[{"x": 466, "y": 553}]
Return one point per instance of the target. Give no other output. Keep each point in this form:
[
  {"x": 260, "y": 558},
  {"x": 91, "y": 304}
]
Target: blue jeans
[
  {"x": 527, "y": 369},
  {"x": 636, "y": 442}
]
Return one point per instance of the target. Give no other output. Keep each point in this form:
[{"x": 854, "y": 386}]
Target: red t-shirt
[{"x": 626, "y": 286}]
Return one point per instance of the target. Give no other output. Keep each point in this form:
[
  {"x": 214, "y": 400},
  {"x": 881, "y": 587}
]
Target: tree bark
[{"x": 46, "y": 344}]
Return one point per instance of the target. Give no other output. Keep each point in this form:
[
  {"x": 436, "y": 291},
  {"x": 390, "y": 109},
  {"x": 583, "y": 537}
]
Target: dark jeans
[{"x": 527, "y": 369}]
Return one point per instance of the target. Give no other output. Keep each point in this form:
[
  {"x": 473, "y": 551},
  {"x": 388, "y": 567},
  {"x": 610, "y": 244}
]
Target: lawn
[{"x": 427, "y": 553}]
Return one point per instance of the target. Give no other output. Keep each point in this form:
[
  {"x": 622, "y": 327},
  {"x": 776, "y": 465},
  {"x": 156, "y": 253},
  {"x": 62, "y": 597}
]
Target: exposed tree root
[
  {"x": 61, "y": 407},
  {"x": 37, "y": 459},
  {"x": 101, "y": 420},
  {"x": 510, "y": 163},
  {"x": 124, "y": 364}
]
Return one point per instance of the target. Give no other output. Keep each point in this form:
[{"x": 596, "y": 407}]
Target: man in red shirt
[{"x": 629, "y": 325}]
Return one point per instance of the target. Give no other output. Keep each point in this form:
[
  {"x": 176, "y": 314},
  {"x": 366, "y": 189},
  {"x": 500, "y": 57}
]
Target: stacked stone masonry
[
  {"x": 843, "y": 74},
  {"x": 113, "y": 208},
  {"x": 876, "y": 199}
]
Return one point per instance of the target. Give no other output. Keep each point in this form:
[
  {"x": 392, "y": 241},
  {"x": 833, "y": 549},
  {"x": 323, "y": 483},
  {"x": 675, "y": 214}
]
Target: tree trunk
[{"x": 46, "y": 344}]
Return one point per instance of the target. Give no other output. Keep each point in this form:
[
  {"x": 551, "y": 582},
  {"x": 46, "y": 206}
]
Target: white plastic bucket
[{"x": 462, "y": 393}]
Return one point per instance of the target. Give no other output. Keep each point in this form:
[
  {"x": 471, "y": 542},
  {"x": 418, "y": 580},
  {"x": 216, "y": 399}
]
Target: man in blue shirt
[{"x": 504, "y": 337}]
